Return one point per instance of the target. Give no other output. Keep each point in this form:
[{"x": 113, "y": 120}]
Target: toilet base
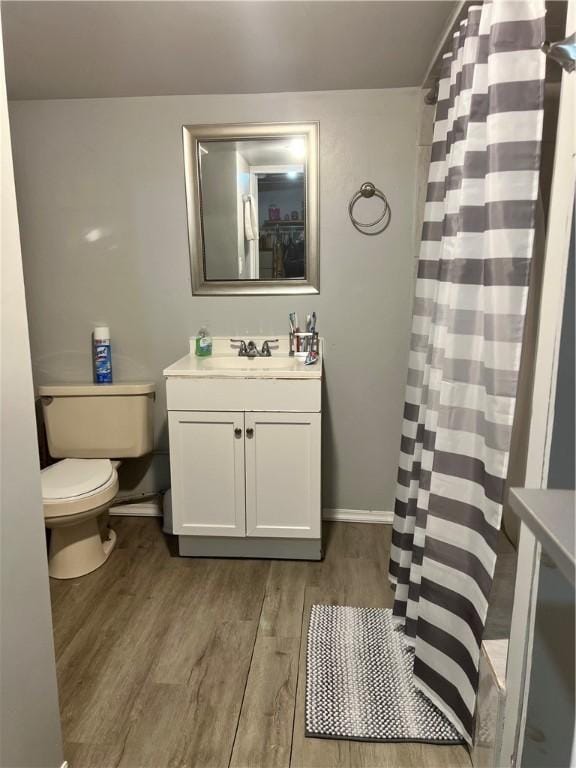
[{"x": 77, "y": 549}]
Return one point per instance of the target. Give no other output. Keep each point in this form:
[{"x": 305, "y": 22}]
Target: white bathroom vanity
[{"x": 245, "y": 453}]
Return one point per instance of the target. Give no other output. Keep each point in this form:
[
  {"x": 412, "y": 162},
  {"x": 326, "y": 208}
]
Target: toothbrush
[
  {"x": 297, "y": 330},
  {"x": 312, "y": 355},
  {"x": 293, "y": 319}
]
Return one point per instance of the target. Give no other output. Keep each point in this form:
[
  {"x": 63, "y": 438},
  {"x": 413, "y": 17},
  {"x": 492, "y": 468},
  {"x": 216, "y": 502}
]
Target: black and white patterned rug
[{"x": 359, "y": 681}]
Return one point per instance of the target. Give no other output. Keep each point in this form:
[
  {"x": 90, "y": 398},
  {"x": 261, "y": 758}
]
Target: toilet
[{"x": 91, "y": 427}]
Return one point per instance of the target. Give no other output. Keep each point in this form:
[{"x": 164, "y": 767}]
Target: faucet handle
[
  {"x": 266, "y": 347},
  {"x": 243, "y": 348}
]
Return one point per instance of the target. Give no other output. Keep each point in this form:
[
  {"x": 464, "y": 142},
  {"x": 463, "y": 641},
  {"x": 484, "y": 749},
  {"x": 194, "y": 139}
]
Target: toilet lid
[{"x": 74, "y": 477}]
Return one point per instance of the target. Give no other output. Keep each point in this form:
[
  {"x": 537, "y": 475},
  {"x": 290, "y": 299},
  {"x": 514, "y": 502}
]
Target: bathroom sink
[{"x": 226, "y": 363}]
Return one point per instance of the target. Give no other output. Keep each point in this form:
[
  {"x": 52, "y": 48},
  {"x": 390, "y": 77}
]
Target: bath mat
[{"x": 359, "y": 681}]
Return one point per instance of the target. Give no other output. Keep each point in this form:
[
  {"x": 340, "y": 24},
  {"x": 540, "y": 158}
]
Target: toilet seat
[
  {"x": 74, "y": 486},
  {"x": 70, "y": 478}
]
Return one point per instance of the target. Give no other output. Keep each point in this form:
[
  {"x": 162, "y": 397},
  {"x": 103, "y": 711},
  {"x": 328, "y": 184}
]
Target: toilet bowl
[
  {"x": 76, "y": 493},
  {"x": 87, "y": 425}
]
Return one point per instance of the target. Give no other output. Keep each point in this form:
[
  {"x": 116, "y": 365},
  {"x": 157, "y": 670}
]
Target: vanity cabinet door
[
  {"x": 283, "y": 475},
  {"x": 207, "y": 472}
]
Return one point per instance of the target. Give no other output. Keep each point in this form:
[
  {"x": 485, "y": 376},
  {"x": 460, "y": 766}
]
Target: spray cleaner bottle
[{"x": 102, "y": 351}]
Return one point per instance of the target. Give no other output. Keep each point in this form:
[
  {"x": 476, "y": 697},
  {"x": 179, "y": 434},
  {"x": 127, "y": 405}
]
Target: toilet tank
[{"x": 93, "y": 421}]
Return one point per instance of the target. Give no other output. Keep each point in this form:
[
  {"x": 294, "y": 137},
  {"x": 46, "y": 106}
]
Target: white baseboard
[
  {"x": 358, "y": 515},
  {"x": 148, "y": 508},
  {"x": 153, "y": 508}
]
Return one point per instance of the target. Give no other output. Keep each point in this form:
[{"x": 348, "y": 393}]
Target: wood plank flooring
[{"x": 166, "y": 662}]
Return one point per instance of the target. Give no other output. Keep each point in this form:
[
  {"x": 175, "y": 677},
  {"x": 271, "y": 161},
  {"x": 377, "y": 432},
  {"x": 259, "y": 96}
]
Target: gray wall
[
  {"x": 103, "y": 219},
  {"x": 551, "y": 707},
  {"x": 220, "y": 211},
  {"x": 550, "y": 714},
  {"x": 562, "y": 449},
  {"x": 30, "y": 725}
]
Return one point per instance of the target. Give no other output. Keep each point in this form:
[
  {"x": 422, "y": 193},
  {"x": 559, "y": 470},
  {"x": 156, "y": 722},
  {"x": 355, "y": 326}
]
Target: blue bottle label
[{"x": 102, "y": 363}]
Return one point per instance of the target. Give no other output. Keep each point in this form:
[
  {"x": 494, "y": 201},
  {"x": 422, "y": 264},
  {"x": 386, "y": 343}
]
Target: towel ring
[{"x": 368, "y": 190}]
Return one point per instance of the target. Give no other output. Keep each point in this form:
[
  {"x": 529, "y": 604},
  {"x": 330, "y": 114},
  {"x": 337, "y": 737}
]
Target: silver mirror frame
[{"x": 192, "y": 136}]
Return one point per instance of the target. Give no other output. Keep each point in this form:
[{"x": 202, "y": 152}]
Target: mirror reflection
[{"x": 253, "y": 208}]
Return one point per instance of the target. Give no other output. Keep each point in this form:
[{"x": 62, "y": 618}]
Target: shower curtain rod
[{"x": 563, "y": 52}]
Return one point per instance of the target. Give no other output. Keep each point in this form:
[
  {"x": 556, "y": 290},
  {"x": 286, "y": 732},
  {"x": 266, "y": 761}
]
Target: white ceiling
[
  {"x": 287, "y": 151},
  {"x": 89, "y": 49}
]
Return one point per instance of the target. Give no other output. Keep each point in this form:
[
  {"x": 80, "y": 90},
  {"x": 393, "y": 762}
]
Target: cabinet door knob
[
  {"x": 250, "y": 433},
  {"x": 238, "y": 432}
]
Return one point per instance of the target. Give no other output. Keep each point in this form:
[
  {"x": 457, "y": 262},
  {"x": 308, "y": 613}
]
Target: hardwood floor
[{"x": 166, "y": 661}]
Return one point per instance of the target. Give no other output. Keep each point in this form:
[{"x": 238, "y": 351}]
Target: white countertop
[
  {"x": 226, "y": 363},
  {"x": 550, "y": 516}
]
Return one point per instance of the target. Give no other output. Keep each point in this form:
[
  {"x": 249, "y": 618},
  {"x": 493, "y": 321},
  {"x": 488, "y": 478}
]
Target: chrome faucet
[{"x": 251, "y": 350}]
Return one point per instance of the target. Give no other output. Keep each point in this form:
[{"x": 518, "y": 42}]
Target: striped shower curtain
[{"x": 470, "y": 301}]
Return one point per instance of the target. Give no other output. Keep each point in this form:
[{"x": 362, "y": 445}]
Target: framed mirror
[{"x": 252, "y": 199}]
